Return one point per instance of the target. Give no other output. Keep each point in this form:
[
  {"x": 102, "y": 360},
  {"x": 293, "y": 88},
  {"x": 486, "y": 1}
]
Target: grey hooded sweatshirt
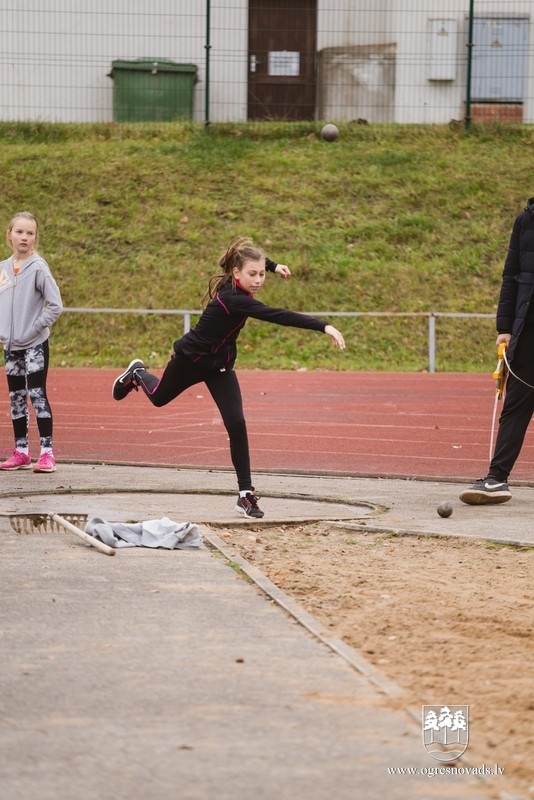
[{"x": 29, "y": 303}]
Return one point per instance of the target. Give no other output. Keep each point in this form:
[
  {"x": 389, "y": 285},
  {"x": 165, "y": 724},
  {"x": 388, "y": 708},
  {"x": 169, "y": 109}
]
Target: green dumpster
[{"x": 152, "y": 90}]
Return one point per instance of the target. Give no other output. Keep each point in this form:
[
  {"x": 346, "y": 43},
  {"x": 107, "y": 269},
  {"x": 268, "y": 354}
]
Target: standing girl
[
  {"x": 208, "y": 352},
  {"x": 29, "y": 303}
]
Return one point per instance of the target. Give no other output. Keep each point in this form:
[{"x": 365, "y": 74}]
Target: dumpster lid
[{"x": 151, "y": 65}]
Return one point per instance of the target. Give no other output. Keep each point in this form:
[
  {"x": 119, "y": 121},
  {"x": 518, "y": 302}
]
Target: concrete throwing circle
[{"x": 201, "y": 507}]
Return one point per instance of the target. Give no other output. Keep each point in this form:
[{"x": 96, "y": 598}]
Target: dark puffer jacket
[{"x": 517, "y": 278}]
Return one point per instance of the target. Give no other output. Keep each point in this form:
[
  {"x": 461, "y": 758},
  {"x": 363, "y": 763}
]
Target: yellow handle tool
[
  {"x": 501, "y": 371},
  {"x": 499, "y": 376}
]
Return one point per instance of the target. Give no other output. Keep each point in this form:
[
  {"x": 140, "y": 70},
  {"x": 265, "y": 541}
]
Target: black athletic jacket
[
  {"x": 212, "y": 342},
  {"x": 517, "y": 278}
]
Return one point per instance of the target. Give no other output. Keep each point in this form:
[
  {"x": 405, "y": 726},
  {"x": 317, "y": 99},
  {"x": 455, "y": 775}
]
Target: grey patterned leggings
[{"x": 26, "y": 372}]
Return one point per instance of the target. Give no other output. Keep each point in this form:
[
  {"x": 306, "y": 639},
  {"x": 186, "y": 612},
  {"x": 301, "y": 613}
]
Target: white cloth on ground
[{"x": 151, "y": 533}]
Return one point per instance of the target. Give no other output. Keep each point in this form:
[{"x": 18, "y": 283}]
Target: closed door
[{"x": 282, "y": 54}]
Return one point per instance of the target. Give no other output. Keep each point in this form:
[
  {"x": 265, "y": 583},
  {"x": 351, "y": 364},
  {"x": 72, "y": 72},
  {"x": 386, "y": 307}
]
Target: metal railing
[{"x": 431, "y": 317}]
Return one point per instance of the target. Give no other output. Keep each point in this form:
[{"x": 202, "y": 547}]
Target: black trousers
[
  {"x": 517, "y": 410},
  {"x": 26, "y": 372},
  {"x": 181, "y": 373}
]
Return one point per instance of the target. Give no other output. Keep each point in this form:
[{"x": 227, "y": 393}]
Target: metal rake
[{"x": 55, "y": 523}]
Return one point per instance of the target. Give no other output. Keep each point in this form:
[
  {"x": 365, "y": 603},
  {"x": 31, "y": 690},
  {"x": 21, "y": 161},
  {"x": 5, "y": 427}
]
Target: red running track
[{"x": 352, "y": 423}]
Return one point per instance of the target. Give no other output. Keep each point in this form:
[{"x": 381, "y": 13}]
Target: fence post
[
  {"x": 431, "y": 343},
  {"x": 207, "y": 67},
  {"x": 470, "y": 45}
]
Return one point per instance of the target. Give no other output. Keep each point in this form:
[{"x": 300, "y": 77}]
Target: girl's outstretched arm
[{"x": 336, "y": 336}]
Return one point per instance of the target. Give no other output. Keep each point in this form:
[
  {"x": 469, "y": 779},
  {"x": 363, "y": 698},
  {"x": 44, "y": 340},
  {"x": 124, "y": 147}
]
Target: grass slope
[{"x": 387, "y": 218}]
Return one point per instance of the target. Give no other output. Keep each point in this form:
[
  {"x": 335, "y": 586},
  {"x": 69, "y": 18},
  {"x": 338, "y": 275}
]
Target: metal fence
[
  {"x": 187, "y": 314},
  {"x": 415, "y": 61}
]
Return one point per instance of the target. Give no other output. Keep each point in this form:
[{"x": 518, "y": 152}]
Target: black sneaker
[
  {"x": 486, "y": 491},
  {"x": 248, "y": 506},
  {"x": 124, "y": 384}
]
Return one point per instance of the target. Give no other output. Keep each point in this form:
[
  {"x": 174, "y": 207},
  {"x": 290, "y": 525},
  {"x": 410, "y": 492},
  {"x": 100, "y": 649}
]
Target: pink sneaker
[
  {"x": 46, "y": 463},
  {"x": 17, "y": 461}
]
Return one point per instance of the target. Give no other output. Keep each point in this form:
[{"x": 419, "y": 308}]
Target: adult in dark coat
[{"x": 515, "y": 328}]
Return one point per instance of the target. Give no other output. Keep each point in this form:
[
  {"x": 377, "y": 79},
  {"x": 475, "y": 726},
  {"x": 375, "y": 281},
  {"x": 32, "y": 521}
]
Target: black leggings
[
  {"x": 517, "y": 410},
  {"x": 26, "y": 372},
  {"x": 181, "y": 373}
]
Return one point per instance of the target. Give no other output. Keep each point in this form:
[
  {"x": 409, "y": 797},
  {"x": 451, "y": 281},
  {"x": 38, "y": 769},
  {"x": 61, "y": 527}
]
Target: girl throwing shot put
[{"x": 207, "y": 353}]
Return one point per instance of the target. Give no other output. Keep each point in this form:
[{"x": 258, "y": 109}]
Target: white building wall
[
  {"x": 418, "y": 99},
  {"x": 228, "y": 61},
  {"x": 56, "y": 55},
  {"x": 343, "y": 24},
  {"x": 356, "y": 61}
]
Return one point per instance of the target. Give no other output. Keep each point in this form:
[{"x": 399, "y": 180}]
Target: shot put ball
[
  {"x": 330, "y": 132},
  {"x": 445, "y": 509}
]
